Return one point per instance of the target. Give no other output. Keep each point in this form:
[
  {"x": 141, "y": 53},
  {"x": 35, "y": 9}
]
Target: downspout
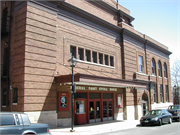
[
  {"x": 122, "y": 53},
  {"x": 145, "y": 53},
  {"x": 145, "y": 50},
  {"x": 9, "y": 87},
  {"x": 150, "y": 94}
]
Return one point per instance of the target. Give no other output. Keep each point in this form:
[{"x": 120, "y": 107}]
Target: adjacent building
[{"x": 120, "y": 75}]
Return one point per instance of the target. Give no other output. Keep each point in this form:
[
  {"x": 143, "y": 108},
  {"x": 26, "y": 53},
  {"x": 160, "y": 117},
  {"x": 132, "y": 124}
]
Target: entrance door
[
  {"x": 94, "y": 111},
  {"x": 144, "y": 103},
  {"x": 145, "y": 108},
  {"x": 107, "y": 110}
]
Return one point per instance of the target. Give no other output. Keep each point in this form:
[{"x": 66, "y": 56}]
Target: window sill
[
  {"x": 153, "y": 75},
  {"x": 141, "y": 73},
  {"x": 14, "y": 103},
  {"x": 96, "y": 64}
]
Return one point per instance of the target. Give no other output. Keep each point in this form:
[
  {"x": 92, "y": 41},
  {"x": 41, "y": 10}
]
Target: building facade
[{"x": 120, "y": 75}]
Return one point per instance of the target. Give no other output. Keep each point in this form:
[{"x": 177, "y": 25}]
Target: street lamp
[{"x": 72, "y": 62}]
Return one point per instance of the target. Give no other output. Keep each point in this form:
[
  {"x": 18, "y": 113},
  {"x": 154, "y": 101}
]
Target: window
[
  {"x": 73, "y": 51},
  {"x": 4, "y": 20},
  {"x": 88, "y": 55},
  {"x": 91, "y": 56},
  {"x": 5, "y": 62},
  {"x": 153, "y": 64},
  {"x": 155, "y": 92},
  {"x": 15, "y": 95},
  {"x": 80, "y": 107},
  {"x": 6, "y": 119},
  {"x": 106, "y": 60},
  {"x": 167, "y": 93},
  {"x": 94, "y": 96},
  {"x": 111, "y": 61},
  {"x": 81, "y": 53},
  {"x": 100, "y": 58},
  {"x": 95, "y": 57},
  {"x": 25, "y": 119},
  {"x": 161, "y": 92},
  {"x": 141, "y": 65},
  {"x": 4, "y": 97},
  {"x": 165, "y": 70},
  {"x": 17, "y": 119},
  {"x": 107, "y": 95},
  {"x": 160, "y": 69}
]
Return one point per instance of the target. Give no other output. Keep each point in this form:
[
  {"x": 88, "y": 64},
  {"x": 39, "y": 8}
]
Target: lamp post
[{"x": 72, "y": 62}]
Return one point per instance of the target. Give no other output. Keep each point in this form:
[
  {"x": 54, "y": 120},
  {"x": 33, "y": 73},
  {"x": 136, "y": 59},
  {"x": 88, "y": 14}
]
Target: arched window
[
  {"x": 165, "y": 70},
  {"x": 160, "y": 69},
  {"x": 153, "y": 64}
]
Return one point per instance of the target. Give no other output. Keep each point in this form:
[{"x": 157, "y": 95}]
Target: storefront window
[{"x": 80, "y": 107}]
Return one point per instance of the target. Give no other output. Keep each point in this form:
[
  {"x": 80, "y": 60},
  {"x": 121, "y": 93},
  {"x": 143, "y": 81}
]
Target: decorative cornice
[
  {"x": 142, "y": 39},
  {"x": 107, "y": 6},
  {"x": 89, "y": 16}
]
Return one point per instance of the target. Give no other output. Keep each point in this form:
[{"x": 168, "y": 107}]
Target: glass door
[
  {"x": 94, "y": 111},
  {"x": 107, "y": 110},
  {"x": 110, "y": 117},
  {"x": 98, "y": 114},
  {"x": 91, "y": 112}
]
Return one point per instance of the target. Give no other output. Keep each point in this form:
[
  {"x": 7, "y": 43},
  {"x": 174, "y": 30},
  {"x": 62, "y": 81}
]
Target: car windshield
[
  {"x": 174, "y": 107},
  {"x": 153, "y": 112}
]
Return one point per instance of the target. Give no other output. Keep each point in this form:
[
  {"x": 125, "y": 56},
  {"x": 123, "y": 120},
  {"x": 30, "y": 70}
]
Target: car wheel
[
  {"x": 160, "y": 122},
  {"x": 170, "y": 120}
]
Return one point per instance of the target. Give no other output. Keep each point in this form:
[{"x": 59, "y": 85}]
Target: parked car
[
  {"x": 156, "y": 117},
  {"x": 175, "y": 111},
  {"x": 12, "y": 123}
]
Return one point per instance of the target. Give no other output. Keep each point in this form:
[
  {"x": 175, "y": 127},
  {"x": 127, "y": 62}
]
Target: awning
[{"x": 83, "y": 79}]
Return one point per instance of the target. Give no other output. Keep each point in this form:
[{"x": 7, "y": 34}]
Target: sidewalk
[{"x": 96, "y": 128}]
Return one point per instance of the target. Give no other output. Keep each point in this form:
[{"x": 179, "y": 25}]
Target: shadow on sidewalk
[{"x": 94, "y": 124}]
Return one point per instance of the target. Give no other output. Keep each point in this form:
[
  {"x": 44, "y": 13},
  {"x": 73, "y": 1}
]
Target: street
[{"x": 165, "y": 129}]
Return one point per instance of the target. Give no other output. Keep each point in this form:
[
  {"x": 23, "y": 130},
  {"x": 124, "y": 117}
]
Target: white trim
[
  {"x": 152, "y": 75},
  {"x": 92, "y": 63},
  {"x": 141, "y": 73}
]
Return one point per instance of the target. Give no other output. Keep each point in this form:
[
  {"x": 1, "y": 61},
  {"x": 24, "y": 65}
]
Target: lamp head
[{"x": 72, "y": 61}]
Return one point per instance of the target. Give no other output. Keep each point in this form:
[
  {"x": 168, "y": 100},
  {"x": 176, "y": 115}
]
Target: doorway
[
  {"x": 94, "y": 111},
  {"x": 107, "y": 110},
  {"x": 144, "y": 104}
]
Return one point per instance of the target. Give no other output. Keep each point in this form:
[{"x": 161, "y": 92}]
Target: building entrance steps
[{"x": 96, "y": 128}]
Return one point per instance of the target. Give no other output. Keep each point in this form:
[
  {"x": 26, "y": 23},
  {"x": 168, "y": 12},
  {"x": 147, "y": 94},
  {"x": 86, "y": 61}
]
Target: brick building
[{"x": 121, "y": 73}]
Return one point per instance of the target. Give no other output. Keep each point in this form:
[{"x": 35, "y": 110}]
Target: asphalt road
[{"x": 165, "y": 129}]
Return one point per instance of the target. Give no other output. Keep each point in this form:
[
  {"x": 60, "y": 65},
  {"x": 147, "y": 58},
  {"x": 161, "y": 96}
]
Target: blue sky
[{"x": 159, "y": 19}]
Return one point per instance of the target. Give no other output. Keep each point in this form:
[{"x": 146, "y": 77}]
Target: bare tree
[
  {"x": 175, "y": 81},
  {"x": 175, "y": 73}
]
